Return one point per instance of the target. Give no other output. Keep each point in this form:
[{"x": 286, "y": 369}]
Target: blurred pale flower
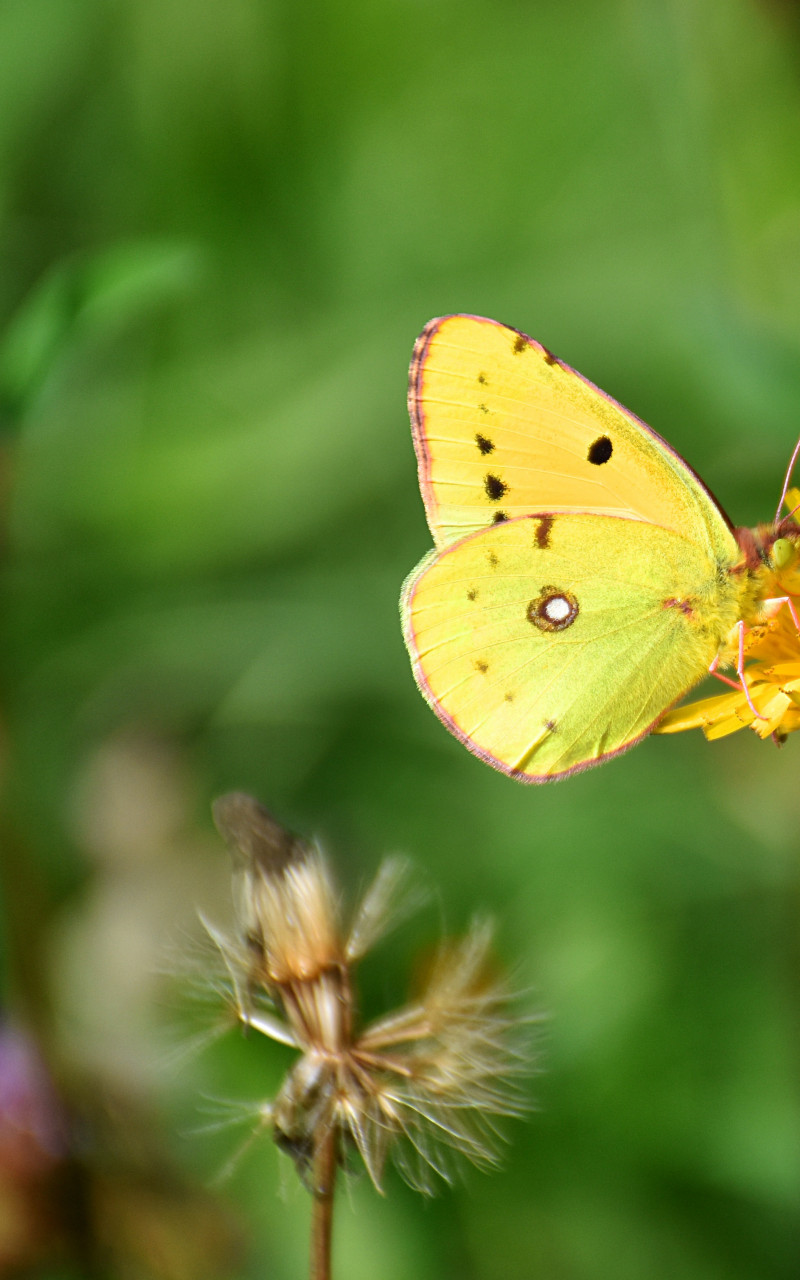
[{"x": 422, "y": 1083}]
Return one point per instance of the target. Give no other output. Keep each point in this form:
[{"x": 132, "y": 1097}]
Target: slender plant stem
[{"x": 322, "y": 1212}]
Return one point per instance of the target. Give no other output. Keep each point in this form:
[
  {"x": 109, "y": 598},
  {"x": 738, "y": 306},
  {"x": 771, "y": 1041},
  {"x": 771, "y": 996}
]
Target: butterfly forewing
[
  {"x": 551, "y": 641},
  {"x": 502, "y": 428}
]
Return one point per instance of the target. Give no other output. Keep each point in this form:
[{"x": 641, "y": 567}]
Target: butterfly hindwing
[{"x": 549, "y": 642}]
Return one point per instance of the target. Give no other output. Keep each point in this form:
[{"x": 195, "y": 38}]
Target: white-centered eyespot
[{"x": 554, "y": 609}]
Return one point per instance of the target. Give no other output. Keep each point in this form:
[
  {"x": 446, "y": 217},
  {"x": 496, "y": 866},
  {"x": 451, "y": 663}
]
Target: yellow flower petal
[{"x": 697, "y": 715}]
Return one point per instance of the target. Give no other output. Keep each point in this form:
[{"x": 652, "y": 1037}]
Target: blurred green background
[{"x": 221, "y": 228}]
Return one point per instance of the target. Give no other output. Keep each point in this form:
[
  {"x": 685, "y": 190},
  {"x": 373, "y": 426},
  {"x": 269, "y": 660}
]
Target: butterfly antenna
[{"x": 785, "y": 488}]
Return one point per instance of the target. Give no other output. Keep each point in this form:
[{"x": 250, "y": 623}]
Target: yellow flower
[
  {"x": 773, "y": 682},
  {"x": 772, "y": 670}
]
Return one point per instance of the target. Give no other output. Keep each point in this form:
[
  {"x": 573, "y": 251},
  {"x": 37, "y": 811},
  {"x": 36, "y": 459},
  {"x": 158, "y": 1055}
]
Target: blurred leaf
[{"x": 100, "y": 292}]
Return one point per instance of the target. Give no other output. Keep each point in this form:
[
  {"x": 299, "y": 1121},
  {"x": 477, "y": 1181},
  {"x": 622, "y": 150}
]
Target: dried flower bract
[{"x": 422, "y": 1084}]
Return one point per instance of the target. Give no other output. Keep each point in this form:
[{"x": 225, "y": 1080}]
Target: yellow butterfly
[{"x": 584, "y": 577}]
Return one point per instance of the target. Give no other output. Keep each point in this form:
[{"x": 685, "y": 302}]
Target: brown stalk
[{"x": 324, "y": 1176}]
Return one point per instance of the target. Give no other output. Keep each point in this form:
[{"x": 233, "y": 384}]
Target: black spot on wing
[
  {"x": 484, "y": 443},
  {"x": 482, "y": 408},
  {"x": 600, "y": 450},
  {"x": 472, "y": 594},
  {"x": 520, "y": 343},
  {"x": 482, "y": 379},
  {"x": 549, "y": 358},
  {"x": 499, "y": 517},
  {"x": 481, "y": 665},
  {"x": 495, "y": 487},
  {"x": 493, "y": 560}
]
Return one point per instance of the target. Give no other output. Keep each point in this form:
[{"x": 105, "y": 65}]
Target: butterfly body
[{"x": 584, "y": 578}]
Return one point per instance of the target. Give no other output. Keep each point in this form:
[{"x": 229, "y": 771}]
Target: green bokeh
[{"x": 223, "y": 226}]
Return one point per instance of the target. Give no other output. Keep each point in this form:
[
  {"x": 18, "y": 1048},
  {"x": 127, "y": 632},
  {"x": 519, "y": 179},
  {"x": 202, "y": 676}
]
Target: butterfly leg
[
  {"x": 787, "y": 600},
  {"x": 741, "y": 683}
]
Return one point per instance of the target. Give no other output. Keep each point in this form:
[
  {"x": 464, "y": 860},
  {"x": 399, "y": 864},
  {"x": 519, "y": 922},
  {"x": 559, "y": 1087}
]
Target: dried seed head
[
  {"x": 424, "y": 1083},
  {"x": 252, "y": 834},
  {"x": 283, "y": 894}
]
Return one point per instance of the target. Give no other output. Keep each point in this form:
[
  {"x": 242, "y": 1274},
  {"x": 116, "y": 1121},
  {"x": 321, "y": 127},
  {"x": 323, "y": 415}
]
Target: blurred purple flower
[{"x": 32, "y": 1126}]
